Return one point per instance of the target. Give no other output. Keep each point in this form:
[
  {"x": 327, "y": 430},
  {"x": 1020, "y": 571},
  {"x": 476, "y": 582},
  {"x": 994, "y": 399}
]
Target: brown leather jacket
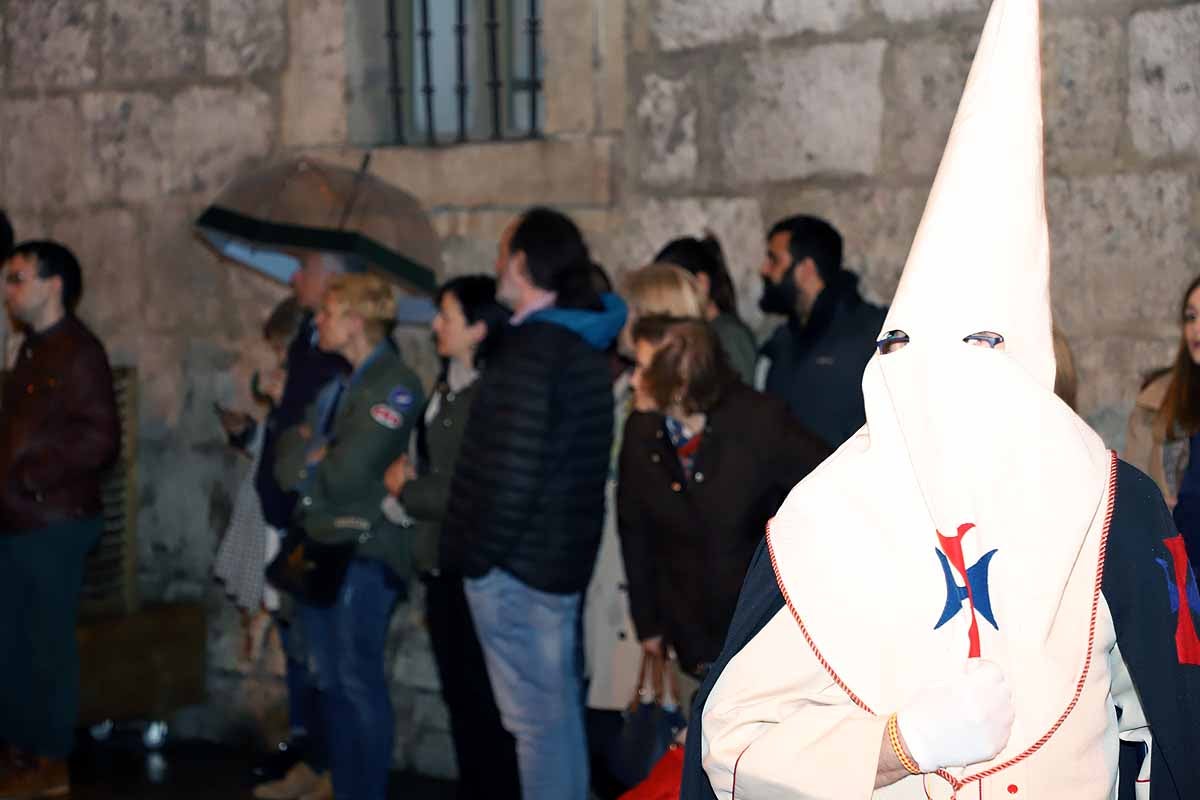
[{"x": 59, "y": 429}]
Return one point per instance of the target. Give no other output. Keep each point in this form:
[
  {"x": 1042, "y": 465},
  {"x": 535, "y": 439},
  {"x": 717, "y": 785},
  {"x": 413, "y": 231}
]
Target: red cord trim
[
  {"x": 733, "y": 791},
  {"x": 957, "y": 783}
]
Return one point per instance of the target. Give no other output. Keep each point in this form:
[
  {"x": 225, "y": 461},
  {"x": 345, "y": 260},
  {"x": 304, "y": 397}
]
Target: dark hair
[
  {"x": 703, "y": 256},
  {"x": 477, "y": 296},
  {"x": 284, "y": 320},
  {"x": 6, "y": 235},
  {"x": 557, "y": 257},
  {"x": 689, "y": 368},
  {"x": 55, "y": 261},
  {"x": 813, "y": 237},
  {"x": 1180, "y": 412},
  {"x": 601, "y": 283}
]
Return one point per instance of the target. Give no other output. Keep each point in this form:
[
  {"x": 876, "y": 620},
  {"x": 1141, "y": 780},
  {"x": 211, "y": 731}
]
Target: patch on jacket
[
  {"x": 401, "y": 399},
  {"x": 387, "y": 416},
  {"x": 825, "y": 361},
  {"x": 351, "y": 524}
]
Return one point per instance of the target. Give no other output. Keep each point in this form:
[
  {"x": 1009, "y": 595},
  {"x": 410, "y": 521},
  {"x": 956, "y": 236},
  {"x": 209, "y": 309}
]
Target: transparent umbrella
[{"x": 264, "y": 220}]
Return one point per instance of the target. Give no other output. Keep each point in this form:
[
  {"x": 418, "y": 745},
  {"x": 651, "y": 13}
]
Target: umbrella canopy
[{"x": 265, "y": 219}]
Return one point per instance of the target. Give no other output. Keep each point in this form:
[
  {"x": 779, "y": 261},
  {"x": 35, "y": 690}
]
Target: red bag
[{"x": 664, "y": 780}]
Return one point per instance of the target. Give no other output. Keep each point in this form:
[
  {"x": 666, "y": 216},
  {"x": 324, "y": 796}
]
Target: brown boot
[
  {"x": 322, "y": 791},
  {"x": 299, "y": 781},
  {"x": 36, "y": 778}
]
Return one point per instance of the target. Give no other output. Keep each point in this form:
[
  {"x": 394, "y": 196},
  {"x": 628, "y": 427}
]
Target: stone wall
[{"x": 120, "y": 120}]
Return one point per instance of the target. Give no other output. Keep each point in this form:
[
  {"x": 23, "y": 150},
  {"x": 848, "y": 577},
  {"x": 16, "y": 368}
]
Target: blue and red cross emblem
[
  {"x": 1185, "y": 599},
  {"x": 974, "y": 588}
]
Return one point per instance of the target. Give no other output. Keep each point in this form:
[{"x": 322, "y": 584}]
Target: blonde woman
[
  {"x": 659, "y": 289},
  {"x": 355, "y": 429}
]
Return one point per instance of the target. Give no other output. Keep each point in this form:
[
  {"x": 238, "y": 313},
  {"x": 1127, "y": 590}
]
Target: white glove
[{"x": 961, "y": 721}]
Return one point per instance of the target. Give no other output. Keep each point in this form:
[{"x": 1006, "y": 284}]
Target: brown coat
[
  {"x": 59, "y": 429},
  {"x": 686, "y": 544},
  {"x": 1143, "y": 446}
]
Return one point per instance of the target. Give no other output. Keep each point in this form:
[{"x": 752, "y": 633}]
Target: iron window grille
[{"x": 448, "y": 71}]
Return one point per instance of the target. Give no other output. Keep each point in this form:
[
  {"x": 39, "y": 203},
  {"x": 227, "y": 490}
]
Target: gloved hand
[{"x": 961, "y": 721}]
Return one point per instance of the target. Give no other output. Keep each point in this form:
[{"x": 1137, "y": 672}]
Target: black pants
[{"x": 486, "y": 752}]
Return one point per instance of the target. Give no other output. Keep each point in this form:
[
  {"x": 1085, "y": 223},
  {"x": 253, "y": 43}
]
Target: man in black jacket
[
  {"x": 818, "y": 356},
  {"x": 527, "y": 500}
]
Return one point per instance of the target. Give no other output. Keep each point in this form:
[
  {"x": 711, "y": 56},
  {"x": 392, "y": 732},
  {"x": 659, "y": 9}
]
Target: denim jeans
[
  {"x": 41, "y": 575},
  {"x": 530, "y": 642},
  {"x": 346, "y": 643}
]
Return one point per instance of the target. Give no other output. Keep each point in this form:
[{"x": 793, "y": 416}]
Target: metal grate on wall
[{"x": 464, "y": 70}]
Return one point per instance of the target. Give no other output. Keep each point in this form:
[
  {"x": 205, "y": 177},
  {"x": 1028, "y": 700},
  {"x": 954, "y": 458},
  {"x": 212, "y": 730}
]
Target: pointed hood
[
  {"x": 965, "y": 519},
  {"x": 982, "y": 255}
]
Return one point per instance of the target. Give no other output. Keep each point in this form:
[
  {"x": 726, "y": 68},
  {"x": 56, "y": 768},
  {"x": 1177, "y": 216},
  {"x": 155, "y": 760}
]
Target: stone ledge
[{"x": 514, "y": 174}]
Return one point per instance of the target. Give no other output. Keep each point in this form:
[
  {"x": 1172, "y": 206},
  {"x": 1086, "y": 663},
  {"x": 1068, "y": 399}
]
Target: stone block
[
  {"x": 512, "y": 175},
  {"x": 570, "y": 83},
  {"x": 314, "y": 83},
  {"x": 1083, "y": 87},
  {"x": 786, "y": 17},
  {"x": 788, "y": 117},
  {"x": 151, "y": 41},
  {"x": 666, "y": 117},
  {"x": 613, "y": 91},
  {"x": 1123, "y": 248},
  {"x": 45, "y": 155},
  {"x": 680, "y": 24},
  {"x": 917, "y": 10},
  {"x": 432, "y": 753},
  {"x": 146, "y": 146},
  {"x": 246, "y": 36},
  {"x": 877, "y": 224},
  {"x": 649, "y": 224},
  {"x": 1164, "y": 78},
  {"x": 186, "y": 290},
  {"x": 1110, "y": 368},
  {"x": 51, "y": 43},
  {"x": 215, "y": 133},
  {"x": 925, "y": 77},
  {"x": 107, "y": 242}
]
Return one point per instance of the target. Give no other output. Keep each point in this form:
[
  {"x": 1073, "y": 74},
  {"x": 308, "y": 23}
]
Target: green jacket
[
  {"x": 426, "y": 497},
  {"x": 371, "y": 423}
]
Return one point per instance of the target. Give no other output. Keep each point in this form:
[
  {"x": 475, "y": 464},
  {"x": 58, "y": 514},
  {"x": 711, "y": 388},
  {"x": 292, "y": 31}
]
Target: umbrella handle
[{"x": 353, "y": 198}]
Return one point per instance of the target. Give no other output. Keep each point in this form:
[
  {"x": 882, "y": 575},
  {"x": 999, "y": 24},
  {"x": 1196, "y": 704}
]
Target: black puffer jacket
[{"x": 528, "y": 489}]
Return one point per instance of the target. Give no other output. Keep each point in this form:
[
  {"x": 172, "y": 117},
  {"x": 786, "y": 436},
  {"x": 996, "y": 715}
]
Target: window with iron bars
[{"x": 439, "y": 72}]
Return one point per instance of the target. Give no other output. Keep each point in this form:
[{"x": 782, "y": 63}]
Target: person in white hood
[{"x": 972, "y": 598}]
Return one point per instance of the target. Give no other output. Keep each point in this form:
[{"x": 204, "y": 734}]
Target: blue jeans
[
  {"x": 346, "y": 642},
  {"x": 530, "y": 642}
]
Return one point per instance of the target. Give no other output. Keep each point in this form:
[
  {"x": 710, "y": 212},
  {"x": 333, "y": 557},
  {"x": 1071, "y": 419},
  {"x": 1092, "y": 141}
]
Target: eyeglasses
[{"x": 17, "y": 278}]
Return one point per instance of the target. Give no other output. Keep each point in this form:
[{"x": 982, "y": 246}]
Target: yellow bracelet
[{"x": 893, "y": 733}]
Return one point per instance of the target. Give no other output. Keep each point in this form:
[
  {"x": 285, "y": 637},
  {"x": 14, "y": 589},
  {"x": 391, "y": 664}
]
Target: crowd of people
[
  {"x": 579, "y": 496},
  {"x": 612, "y": 493}
]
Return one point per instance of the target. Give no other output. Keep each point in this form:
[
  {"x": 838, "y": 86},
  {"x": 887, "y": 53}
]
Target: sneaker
[
  {"x": 299, "y": 781},
  {"x": 36, "y": 778},
  {"x": 323, "y": 791}
]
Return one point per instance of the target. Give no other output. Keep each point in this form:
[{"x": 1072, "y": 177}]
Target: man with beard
[{"x": 817, "y": 357}]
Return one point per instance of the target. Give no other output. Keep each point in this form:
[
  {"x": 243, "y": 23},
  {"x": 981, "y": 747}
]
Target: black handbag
[
  {"x": 310, "y": 571},
  {"x": 648, "y": 726}
]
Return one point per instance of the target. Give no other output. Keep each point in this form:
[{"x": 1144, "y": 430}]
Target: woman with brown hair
[
  {"x": 1167, "y": 411},
  {"x": 698, "y": 482}
]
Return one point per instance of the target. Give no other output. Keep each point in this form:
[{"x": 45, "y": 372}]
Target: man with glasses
[{"x": 59, "y": 430}]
